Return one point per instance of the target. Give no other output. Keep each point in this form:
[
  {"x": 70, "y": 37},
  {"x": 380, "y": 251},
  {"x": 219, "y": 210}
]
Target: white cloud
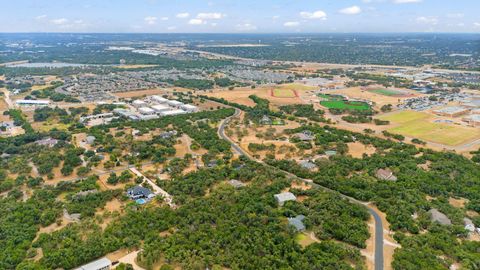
[
  {"x": 291, "y": 24},
  {"x": 59, "y": 21},
  {"x": 427, "y": 20},
  {"x": 406, "y": 1},
  {"x": 246, "y": 27},
  {"x": 150, "y": 20},
  {"x": 476, "y": 24},
  {"x": 319, "y": 14},
  {"x": 210, "y": 16},
  {"x": 41, "y": 17},
  {"x": 213, "y": 24},
  {"x": 183, "y": 15},
  {"x": 353, "y": 10},
  {"x": 196, "y": 21},
  {"x": 276, "y": 17},
  {"x": 164, "y": 18},
  {"x": 171, "y": 28},
  {"x": 455, "y": 15}
]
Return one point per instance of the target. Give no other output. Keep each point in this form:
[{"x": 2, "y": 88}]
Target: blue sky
[{"x": 232, "y": 16}]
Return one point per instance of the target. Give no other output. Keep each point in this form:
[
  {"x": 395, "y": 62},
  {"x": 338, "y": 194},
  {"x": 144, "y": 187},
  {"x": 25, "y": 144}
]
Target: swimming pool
[{"x": 141, "y": 201}]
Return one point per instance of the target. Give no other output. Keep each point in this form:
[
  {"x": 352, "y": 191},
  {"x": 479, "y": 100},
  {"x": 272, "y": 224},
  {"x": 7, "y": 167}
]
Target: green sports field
[
  {"x": 340, "y": 104},
  {"x": 388, "y": 92},
  {"x": 420, "y": 125}
]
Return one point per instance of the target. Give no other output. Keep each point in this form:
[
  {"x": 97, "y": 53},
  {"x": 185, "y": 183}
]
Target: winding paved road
[{"x": 379, "y": 260}]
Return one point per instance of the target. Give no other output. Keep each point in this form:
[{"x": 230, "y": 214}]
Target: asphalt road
[{"x": 378, "y": 260}]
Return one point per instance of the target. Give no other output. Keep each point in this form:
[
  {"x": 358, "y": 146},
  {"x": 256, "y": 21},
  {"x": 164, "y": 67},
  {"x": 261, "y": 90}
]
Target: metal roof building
[
  {"x": 284, "y": 197},
  {"x": 100, "y": 264}
]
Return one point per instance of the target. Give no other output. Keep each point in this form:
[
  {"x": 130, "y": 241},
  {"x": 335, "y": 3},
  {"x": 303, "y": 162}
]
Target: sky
[{"x": 240, "y": 16}]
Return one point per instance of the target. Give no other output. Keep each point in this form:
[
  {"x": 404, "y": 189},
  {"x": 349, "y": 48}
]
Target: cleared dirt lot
[{"x": 240, "y": 95}]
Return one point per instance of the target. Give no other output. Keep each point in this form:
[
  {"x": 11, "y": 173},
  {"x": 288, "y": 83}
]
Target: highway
[{"x": 378, "y": 258}]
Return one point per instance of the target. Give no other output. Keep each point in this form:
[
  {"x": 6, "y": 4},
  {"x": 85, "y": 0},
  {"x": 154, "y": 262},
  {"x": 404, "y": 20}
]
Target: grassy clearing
[
  {"x": 437, "y": 132},
  {"x": 340, "y": 104},
  {"x": 284, "y": 93},
  {"x": 419, "y": 125},
  {"x": 405, "y": 116},
  {"x": 387, "y": 92}
]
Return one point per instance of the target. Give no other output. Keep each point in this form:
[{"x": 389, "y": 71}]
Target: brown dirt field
[
  {"x": 380, "y": 100},
  {"x": 240, "y": 95},
  {"x": 357, "y": 149},
  {"x": 458, "y": 203},
  {"x": 183, "y": 147}
]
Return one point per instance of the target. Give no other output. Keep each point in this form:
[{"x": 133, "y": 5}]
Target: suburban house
[
  {"x": 47, "y": 142},
  {"x": 139, "y": 192},
  {"x": 385, "y": 174},
  {"x": 308, "y": 165},
  {"x": 306, "y": 135},
  {"x": 266, "y": 120},
  {"x": 236, "y": 184},
  {"x": 297, "y": 222},
  {"x": 284, "y": 197},
  {"x": 439, "y": 217},
  {"x": 100, "y": 264}
]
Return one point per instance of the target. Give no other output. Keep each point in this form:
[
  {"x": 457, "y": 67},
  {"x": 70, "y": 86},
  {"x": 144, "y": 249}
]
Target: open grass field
[
  {"x": 420, "y": 125},
  {"x": 389, "y": 92},
  {"x": 340, "y": 104},
  {"x": 284, "y": 93},
  {"x": 405, "y": 116}
]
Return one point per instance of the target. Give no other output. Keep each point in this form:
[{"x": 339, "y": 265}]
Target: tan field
[
  {"x": 357, "y": 149},
  {"x": 240, "y": 95}
]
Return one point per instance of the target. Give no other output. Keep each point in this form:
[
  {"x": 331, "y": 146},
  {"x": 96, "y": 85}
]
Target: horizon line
[{"x": 240, "y": 33}]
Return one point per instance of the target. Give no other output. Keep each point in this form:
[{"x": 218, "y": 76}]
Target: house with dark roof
[{"x": 139, "y": 192}]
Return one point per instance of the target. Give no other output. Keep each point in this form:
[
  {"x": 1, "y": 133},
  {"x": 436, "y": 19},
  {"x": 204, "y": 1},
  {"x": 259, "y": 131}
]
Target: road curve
[{"x": 379, "y": 259}]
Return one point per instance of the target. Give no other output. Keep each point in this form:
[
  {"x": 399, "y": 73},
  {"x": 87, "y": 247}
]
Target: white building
[
  {"x": 174, "y": 103},
  {"x": 159, "y": 99},
  {"x": 100, "y": 264},
  {"x": 139, "y": 103},
  {"x": 160, "y": 108},
  {"x": 284, "y": 197},
  {"x": 146, "y": 110},
  {"x": 27, "y": 102},
  {"x": 189, "y": 108},
  {"x": 172, "y": 112}
]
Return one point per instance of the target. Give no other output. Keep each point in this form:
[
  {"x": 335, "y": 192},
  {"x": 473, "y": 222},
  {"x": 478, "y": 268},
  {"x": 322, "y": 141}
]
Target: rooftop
[
  {"x": 439, "y": 217},
  {"x": 95, "y": 265}
]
